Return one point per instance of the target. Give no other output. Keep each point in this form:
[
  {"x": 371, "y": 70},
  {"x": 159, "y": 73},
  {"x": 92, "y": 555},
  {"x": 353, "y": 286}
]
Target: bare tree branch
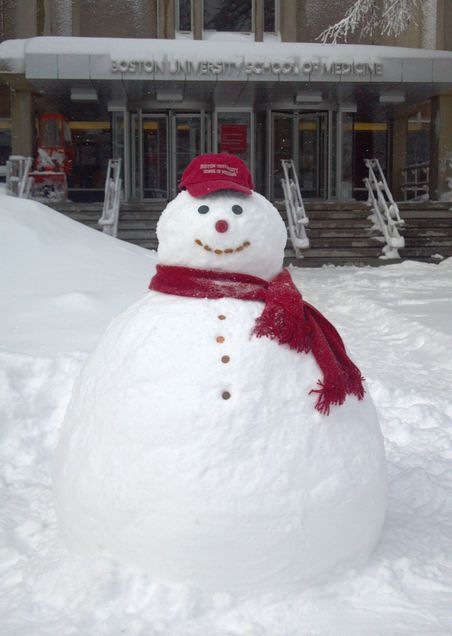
[{"x": 366, "y": 17}]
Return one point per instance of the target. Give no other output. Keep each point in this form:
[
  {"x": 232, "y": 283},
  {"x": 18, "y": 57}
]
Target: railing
[
  {"x": 110, "y": 213},
  {"x": 297, "y": 218},
  {"x": 18, "y": 182},
  {"x": 385, "y": 216},
  {"x": 416, "y": 180}
]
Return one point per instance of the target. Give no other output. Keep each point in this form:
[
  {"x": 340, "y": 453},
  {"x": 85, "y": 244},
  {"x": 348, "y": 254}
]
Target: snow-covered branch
[{"x": 366, "y": 17}]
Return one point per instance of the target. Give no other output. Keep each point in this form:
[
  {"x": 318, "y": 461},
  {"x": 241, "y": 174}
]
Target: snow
[
  {"x": 258, "y": 491},
  {"x": 63, "y": 304},
  {"x": 396, "y": 322}
]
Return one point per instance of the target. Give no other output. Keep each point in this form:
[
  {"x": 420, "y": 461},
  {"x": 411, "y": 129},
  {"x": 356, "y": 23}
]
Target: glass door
[
  {"x": 187, "y": 142},
  {"x": 155, "y": 156},
  {"x": 283, "y": 143},
  {"x": 162, "y": 145},
  {"x": 312, "y": 154},
  {"x": 301, "y": 136}
]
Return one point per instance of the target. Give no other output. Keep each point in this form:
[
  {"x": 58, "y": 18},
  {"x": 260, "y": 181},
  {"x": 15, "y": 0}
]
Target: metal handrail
[
  {"x": 18, "y": 181},
  {"x": 297, "y": 218},
  {"x": 386, "y": 215},
  {"x": 112, "y": 199},
  {"x": 417, "y": 185}
]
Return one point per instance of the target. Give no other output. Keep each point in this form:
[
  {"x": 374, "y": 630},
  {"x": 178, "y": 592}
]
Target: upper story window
[
  {"x": 228, "y": 15},
  {"x": 270, "y": 16},
  {"x": 225, "y": 16},
  {"x": 184, "y": 16}
]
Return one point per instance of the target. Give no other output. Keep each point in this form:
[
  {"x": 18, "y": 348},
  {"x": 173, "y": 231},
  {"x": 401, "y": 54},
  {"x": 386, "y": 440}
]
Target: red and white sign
[{"x": 233, "y": 138}]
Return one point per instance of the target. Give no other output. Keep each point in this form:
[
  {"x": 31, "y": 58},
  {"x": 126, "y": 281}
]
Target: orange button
[
  {"x": 220, "y": 339},
  {"x": 225, "y": 359},
  {"x": 226, "y": 395},
  {"x": 221, "y": 317}
]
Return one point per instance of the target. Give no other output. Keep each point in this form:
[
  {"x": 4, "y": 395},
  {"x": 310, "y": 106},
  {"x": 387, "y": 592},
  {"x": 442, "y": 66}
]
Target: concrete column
[
  {"x": 399, "y": 153},
  {"x": 288, "y": 20},
  {"x": 443, "y": 25},
  {"x": 441, "y": 145},
  {"x": 26, "y": 20},
  {"x": 22, "y": 123},
  {"x": 440, "y": 24},
  {"x": 197, "y": 19},
  {"x": 75, "y": 18},
  {"x": 166, "y": 19},
  {"x": 152, "y": 27},
  {"x": 258, "y": 17}
]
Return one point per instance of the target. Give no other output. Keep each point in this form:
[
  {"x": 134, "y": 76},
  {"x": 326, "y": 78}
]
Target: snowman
[{"x": 219, "y": 435}]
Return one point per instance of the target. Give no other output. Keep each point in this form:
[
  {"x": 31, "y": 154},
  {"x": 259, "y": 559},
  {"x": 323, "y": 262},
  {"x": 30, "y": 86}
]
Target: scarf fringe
[{"x": 334, "y": 393}]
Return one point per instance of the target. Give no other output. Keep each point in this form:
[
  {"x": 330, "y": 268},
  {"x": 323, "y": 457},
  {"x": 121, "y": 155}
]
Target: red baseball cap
[{"x": 211, "y": 172}]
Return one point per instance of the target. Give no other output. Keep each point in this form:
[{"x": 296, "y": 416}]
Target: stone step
[
  {"x": 337, "y": 215},
  {"x": 140, "y": 205},
  {"x": 148, "y": 244},
  {"x": 424, "y": 205},
  {"x": 426, "y": 214},
  {"x": 136, "y": 235},
  {"x": 337, "y": 232},
  {"x": 427, "y": 224},
  {"x": 84, "y": 218},
  {"x": 338, "y": 262},
  {"x": 344, "y": 243},
  {"x": 151, "y": 215},
  {"x": 361, "y": 252},
  {"x": 137, "y": 225},
  {"x": 422, "y": 251},
  {"x": 70, "y": 208},
  {"x": 429, "y": 242},
  {"x": 327, "y": 205}
]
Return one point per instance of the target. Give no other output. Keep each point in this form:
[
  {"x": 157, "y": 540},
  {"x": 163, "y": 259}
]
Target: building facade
[{"x": 157, "y": 82}]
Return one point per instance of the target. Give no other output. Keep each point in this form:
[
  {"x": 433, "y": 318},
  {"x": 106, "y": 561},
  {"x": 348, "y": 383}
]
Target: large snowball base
[{"x": 255, "y": 493}]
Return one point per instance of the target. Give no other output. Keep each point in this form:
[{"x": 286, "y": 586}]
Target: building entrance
[
  {"x": 301, "y": 136},
  {"x": 163, "y": 144}
]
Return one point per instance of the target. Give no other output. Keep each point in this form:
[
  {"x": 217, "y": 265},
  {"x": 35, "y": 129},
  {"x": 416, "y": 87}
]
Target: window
[
  {"x": 418, "y": 139},
  {"x": 184, "y": 15},
  {"x": 91, "y": 141},
  {"x": 5, "y": 140},
  {"x": 227, "y": 15},
  {"x": 270, "y": 16}
]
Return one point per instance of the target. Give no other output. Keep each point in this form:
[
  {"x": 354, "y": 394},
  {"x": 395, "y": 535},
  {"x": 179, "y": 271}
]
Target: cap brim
[{"x": 206, "y": 187}]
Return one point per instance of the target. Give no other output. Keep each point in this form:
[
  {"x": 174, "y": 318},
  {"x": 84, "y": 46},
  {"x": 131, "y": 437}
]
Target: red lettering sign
[{"x": 233, "y": 138}]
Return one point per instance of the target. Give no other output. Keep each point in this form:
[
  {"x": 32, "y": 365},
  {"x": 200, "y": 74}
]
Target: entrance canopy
[{"x": 236, "y": 73}]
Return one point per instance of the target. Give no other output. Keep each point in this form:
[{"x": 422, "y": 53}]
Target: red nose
[{"x": 221, "y": 226}]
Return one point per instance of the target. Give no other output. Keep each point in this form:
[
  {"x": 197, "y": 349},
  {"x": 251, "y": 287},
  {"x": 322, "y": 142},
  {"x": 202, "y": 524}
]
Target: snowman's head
[{"x": 224, "y": 230}]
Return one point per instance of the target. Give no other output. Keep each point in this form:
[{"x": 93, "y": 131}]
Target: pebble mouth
[{"x": 229, "y": 250}]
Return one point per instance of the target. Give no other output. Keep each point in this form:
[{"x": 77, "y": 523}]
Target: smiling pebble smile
[{"x": 240, "y": 248}]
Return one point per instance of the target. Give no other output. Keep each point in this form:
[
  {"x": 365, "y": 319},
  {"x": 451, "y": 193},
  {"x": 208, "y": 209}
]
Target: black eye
[
  {"x": 237, "y": 209},
  {"x": 203, "y": 209}
]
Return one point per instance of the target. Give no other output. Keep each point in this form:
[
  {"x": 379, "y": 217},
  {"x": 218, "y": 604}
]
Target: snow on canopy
[{"x": 14, "y": 52}]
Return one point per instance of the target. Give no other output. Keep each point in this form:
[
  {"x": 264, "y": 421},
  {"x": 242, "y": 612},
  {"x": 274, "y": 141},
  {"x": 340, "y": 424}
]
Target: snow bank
[
  {"x": 60, "y": 280},
  {"x": 395, "y": 322}
]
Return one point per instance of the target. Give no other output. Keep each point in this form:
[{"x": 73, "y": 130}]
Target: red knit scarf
[{"x": 285, "y": 318}]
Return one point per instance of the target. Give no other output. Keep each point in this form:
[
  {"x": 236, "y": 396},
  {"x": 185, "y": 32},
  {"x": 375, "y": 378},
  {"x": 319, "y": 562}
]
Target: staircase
[
  {"x": 428, "y": 230},
  {"x": 339, "y": 232},
  {"x": 138, "y": 222}
]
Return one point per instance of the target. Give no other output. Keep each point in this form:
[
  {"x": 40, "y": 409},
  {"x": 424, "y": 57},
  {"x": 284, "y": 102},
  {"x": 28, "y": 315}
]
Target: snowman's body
[{"x": 192, "y": 449}]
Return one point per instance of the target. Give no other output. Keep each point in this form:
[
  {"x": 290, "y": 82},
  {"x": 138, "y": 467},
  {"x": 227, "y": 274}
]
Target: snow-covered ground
[{"x": 61, "y": 283}]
